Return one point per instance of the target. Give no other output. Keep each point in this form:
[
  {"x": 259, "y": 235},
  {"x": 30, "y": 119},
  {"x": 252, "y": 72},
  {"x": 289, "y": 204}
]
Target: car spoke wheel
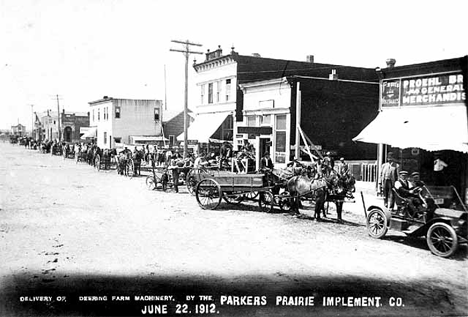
[
  {"x": 208, "y": 194},
  {"x": 377, "y": 223},
  {"x": 442, "y": 239}
]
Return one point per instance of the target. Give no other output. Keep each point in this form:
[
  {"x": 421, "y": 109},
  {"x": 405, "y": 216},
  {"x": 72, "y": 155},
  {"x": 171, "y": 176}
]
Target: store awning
[
  {"x": 204, "y": 126},
  {"x": 88, "y": 133},
  {"x": 429, "y": 128}
]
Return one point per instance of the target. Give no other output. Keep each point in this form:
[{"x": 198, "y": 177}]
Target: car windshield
[{"x": 444, "y": 197}]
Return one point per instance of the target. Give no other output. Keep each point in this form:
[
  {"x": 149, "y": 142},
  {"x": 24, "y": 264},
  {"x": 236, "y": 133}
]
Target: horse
[
  {"x": 303, "y": 185},
  {"x": 338, "y": 188}
]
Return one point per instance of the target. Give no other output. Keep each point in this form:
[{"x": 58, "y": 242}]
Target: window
[
  {"x": 105, "y": 135},
  {"x": 265, "y": 119},
  {"x": 117, "y": 113},
  {"x": 210, "y": 93},
  {"x": 93, "y": 114},
  {"x": 251, "y": 122},
  {"x": 218, "y": 91},
  {"x": 228, "y": 89},
  {"x": 280, "y": 136},
  {"x": 202, "y": 94},
  {"x": 156, "y": 114},
  {"x": 171, "y": 140},
  {"x": 99, "y": 114},
  {"x": 117, "y": 140}
]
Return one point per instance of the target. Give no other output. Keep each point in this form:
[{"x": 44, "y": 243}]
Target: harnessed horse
[{"x": 338, "y": 188}]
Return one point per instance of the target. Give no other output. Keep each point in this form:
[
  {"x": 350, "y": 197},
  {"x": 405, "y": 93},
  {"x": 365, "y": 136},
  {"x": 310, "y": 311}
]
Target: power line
[{"x": 186, "y": 53}]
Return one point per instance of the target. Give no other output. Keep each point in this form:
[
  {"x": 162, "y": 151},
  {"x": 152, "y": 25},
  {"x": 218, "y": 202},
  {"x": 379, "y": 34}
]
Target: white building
[{"x": 124, "y": 121}]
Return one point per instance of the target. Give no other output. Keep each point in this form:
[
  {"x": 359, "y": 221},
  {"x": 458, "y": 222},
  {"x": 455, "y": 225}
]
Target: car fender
[{"x": 387, "y": 212}]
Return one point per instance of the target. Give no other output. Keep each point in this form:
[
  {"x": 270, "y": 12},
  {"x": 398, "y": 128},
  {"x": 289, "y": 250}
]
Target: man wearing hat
[
  {"x": 404, "y": 189},
  {"x": 388, "y": 177},
  {"x": 343, "y": 168},
  {"x": 266, "y": 164}
]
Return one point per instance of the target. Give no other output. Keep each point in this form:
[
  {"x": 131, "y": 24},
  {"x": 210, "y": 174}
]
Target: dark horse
[
  {"x": 302, "y": 186},
  {"x": 338, "y": 188}
]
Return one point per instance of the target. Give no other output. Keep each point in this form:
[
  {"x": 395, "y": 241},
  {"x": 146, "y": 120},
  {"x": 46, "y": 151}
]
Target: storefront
[{"x": 422, "y": 118}]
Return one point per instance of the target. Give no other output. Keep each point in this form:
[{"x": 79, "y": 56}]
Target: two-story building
[
  {"x": 18, "y": 130},
  {"x": 224, "y": 79},
  {"x": 114, "y": 121}
]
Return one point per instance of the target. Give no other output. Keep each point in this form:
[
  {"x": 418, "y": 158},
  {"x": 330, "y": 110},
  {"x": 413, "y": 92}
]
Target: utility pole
[
  {"x": 56, "y": 97},
  {"x": 186, "y": 53}
]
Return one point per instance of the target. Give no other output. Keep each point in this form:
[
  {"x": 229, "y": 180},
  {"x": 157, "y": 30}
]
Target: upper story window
[
  {"x": 93, "y": 114},
  {"x": 251, "y": 121},
  {"x": 228, "y": 89},
  {"x": 210, "y": 93},
  {"x": 99, "y": 114},
  {"x": 156, "y": 114},
  {"x": 117, "y": 112},
  {"x": 202, "y": 94},
  {"x": 265, "y": 119},
  {"x": 218, "y": 91}
]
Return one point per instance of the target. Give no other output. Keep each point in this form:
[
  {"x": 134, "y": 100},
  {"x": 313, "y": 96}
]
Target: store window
[{"x": 280, "y": 137}]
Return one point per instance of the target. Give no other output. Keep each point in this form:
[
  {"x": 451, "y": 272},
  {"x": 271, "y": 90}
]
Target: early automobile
[{"x": 441, "y": 219}]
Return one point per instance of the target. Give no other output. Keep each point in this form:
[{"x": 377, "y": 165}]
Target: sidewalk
[{"x": 370, "y": 198}]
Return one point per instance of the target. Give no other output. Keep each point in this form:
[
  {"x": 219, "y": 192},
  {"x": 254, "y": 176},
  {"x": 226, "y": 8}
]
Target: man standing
[
  {"x": 439, "y": 166},
  {"x": 388, "y": 176},
  {"x": 266, "y": 164}
]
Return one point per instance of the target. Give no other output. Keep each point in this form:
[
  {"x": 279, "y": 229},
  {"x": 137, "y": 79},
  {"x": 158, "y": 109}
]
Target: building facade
[
  {"x": 221, "y": 100},
  {"x": 48, "y": 127},
  {"x": 329, "y": 112},
  {"x": 422, "y": 117},
  {"x": 115, "y": 121},
  {"x": 18, "y": 130}
]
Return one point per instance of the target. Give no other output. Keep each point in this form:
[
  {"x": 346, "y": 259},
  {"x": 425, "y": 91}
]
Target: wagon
[
  {"x": 103, "y": 161},
  {"x": 196, "y": 174},
  {"x": 81, "y": 156},
  {"x": 234, "y": 188},
  {"x": 444, "y": 226}
]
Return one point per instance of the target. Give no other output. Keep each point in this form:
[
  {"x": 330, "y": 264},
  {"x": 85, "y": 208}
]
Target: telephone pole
[
  {"x": 186, "y": 53},
  {"x": 58, "y": 119}
]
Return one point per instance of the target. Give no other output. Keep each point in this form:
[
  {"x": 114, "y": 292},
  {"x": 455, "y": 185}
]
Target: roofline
[
  {"x": 289, "y": 78},
  {"x": 111, "y": 99}
]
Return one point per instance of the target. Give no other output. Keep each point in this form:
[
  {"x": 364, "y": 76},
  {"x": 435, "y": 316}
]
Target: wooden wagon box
[{"x": 240, "y": 180}]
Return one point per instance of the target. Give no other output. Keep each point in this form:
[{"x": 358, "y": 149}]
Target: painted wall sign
[{"x": 428, "y": 90}]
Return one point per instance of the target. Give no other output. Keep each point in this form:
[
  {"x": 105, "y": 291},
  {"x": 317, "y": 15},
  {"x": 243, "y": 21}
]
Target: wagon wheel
[
  {"x": 250, "y": 195},
  {"x": 285, "y": 201},
  {"x": 208, "y": 193},
  {"x": 191, "y": 183},
  {"x": 233, "y": 199},
  {"x": 442, "y": 239},
  {"x": 97, "y": 162},
  {"x": 265, "y": 201},
  {"x": 377, "y": 223},
  {"x": 151, "y": 183},
  {"x": 130, "y": 168}
]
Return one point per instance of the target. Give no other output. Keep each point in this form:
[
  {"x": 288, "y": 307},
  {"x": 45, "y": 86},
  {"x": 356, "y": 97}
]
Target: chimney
[
  {"x": 310, "y": 58},
  {"x": 333, "y": 75},
  {"x": 105, "y": 97},
  {"x": 390, "y": 62}
]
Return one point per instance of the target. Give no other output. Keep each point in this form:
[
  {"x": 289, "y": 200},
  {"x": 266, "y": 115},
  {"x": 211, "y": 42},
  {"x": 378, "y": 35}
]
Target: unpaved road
[{"x": 67, "y": 230}]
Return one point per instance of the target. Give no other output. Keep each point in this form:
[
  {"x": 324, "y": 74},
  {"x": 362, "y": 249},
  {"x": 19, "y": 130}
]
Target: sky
[{"x": 82, "y": 50}]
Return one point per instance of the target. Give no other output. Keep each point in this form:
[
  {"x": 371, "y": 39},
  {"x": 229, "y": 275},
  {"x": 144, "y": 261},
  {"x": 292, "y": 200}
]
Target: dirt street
[{"x": 70, "y": 233}]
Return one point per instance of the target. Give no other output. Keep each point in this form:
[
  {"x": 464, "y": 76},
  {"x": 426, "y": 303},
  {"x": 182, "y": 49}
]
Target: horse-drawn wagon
[
  {"x": 105, "y": 159},
  {"x": 445, "y": 227},
  {"x": 234, "y": 188}
]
